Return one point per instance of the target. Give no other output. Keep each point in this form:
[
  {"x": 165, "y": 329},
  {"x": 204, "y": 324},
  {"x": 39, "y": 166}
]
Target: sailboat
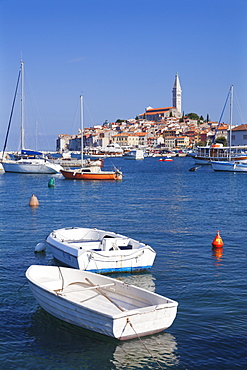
[
  {"x": 27, "y": 161},
  {"x": 91, "y": 170},
  {"x": 232, "y": 165}
]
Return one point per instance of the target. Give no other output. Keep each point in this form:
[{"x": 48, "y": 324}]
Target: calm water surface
[{"x": 178, "y": 213}]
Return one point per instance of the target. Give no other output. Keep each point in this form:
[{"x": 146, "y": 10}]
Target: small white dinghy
[
  {"x": 99, "y": 251},
  {"x": 100, "y": 303}
]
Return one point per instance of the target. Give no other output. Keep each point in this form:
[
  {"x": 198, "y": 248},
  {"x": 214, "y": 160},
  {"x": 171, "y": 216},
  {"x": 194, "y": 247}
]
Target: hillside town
[{"x": 167, "y": 128}]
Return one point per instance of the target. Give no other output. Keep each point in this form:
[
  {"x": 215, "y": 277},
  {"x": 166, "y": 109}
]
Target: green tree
[
  {"x": 193, "y": 116},
  {"x": 221, "y": 140}
]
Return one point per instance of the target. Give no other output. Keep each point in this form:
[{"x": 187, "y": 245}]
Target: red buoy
[{"x": 217, "y": 242}]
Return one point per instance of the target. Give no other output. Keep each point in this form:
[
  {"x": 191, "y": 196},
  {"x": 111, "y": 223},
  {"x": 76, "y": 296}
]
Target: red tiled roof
[{"x": 240, "y": 128}]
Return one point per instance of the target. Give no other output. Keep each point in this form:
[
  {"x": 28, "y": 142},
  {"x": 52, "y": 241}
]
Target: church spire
[{"x": 177, "y": 94}]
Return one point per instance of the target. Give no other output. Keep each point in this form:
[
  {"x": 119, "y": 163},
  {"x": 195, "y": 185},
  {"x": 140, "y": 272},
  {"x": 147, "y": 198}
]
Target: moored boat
[
  {"x": 31, "y": 162},
  {"x": 100, "y": 303},
  {"x": 91, "y": 173},
  {"x": 99, "y": 251},
  {"x": 217, "y": 152},
  {"x": 166, "y": 159},
  {"x": 134, "y": 154},
  {"x": 231, "y": 164},
  {"x": 27, "y": 161},
  {"x": 92, "y": 170}
]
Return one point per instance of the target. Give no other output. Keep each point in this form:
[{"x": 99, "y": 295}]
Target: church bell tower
[{"x": 177, "y": 94}]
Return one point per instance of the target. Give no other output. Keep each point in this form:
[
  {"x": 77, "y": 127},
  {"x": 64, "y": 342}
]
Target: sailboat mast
[
  {"x": 230, "y": 139},
  {"x": 22, "y": 106},
  {"x": 81, "y": 119}
]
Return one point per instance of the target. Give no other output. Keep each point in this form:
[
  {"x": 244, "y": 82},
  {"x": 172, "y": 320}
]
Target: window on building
[{"x": 245, "y": 136}]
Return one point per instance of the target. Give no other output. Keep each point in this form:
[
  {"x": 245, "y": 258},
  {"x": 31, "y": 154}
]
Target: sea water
[{"x": 163, "y": 204}]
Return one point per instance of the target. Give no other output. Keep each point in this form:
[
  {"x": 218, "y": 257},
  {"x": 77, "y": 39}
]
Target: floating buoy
[
  {"x": 217, "y": 242},
  {"x": 51, "y": 183},
  {"x": 33, "y": 201},
  {"x": 40, "y": 247}
]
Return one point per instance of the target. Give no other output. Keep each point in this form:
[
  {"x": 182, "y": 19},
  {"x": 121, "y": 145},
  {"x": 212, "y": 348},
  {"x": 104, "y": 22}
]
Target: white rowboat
[
  {"x": 100, "y": 303},
  {"x": 99, "y": 251}
]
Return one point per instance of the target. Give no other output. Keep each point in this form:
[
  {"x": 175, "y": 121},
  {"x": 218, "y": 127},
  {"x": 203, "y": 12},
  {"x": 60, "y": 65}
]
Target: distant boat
[
  {"x": 218, "y": 152},
  {"x": 166, "y": 159},
  {"x": 99, "y": 251},
  {"x": 99, "y": 303},
  {"x": 27, "y": 161},
  {"x": 134, "y": 154},
  {"x": 89, "y": 172},
  {"x": 230, "y": 165}
]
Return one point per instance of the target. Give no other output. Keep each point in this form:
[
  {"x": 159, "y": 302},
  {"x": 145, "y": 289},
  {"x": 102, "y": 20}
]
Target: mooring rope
[
  {"x": 144, "y": 345},
  {"x": 61, "y": 277}
]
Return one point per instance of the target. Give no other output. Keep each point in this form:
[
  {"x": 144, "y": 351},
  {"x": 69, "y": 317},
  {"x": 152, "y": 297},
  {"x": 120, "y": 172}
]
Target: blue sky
[{"x": 122, "y": 55}]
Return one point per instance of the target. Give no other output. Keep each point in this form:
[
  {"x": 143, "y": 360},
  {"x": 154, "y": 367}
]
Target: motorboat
[
  {"x": 92, "y": 172},
  {"x": 231, "y": 166},
  {"x": 166, "y": 159},
  {"x": 99, "y": 251},
  {"x": 99, "y": 303}
]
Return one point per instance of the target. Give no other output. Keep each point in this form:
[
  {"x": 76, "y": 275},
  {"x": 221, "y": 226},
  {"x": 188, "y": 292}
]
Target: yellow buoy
[{"x": 33, "y": 201}]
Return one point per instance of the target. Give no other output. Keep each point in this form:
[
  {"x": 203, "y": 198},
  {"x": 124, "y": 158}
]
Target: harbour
[{"x": 175, "y": 211}]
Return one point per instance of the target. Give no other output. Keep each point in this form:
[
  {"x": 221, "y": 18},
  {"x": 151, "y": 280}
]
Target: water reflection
[
  {"x": 217, "y": 253},
  {"x": 142, "y": 280},
  {"x": 149, "y": 351},
  {"x": 74, "y": 347}
]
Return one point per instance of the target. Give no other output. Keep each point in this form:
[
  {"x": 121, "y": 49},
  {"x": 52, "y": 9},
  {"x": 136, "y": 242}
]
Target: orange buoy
[
  {"x": 33, "y": 201},
  {"x": 217, "y": 242}
]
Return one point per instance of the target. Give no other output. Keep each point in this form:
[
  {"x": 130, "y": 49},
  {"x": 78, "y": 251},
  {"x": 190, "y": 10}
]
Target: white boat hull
[
  {"x": 105, "y": 252},
  {"x": 134, "y": 154},
  {"x": 114, "y": 308},
  {"x": 229, "y": 166},
  {"x": 35, "y": 166},
  {"x": 201, "y": 161}
]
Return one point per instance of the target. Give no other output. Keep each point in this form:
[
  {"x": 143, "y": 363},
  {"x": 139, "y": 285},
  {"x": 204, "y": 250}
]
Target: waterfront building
[
  {"x": 62, "y": 142},
  {"x": 239, "y": 135},
  {"x": 182, "y": 141}
]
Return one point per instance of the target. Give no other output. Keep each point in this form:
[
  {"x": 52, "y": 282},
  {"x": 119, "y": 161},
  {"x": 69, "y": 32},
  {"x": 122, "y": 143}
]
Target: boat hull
[
  {"x": 31, "y": 167},
  {"x": 92, "y": 256},
  {"x": 103, "y": 175},
  {"x": 208, "y": 160},
  {"x": 114, "y": 309},
  {"x": 229, "y": 166}
]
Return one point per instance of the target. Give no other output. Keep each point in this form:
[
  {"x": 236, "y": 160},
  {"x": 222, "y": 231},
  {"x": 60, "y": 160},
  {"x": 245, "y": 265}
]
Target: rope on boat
[
  {"x": 21, "y": 286},
  {"x": 114, "y": 260},
  {"x": 61, "y": 277},
  {"x": 144, "y": 345}
]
